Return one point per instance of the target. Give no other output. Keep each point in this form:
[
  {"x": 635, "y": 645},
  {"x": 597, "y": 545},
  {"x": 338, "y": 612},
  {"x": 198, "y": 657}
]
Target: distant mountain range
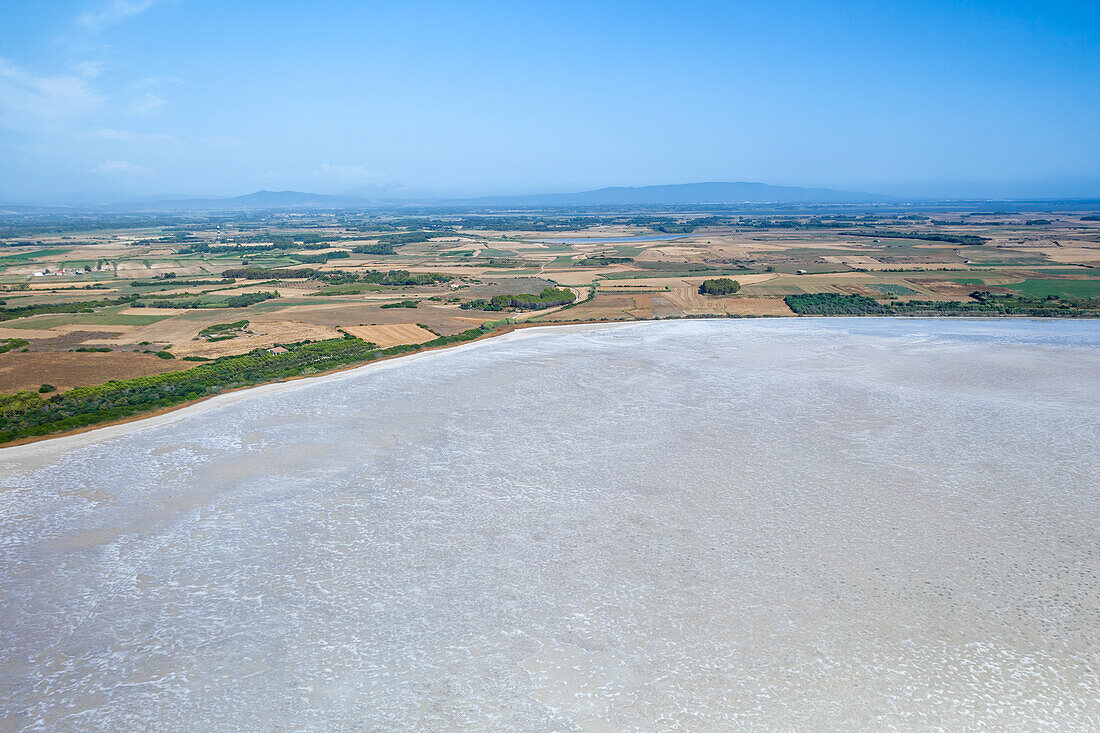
[
  {"x": 677, "y": 194},
  {"x": 695, "y": 193},
  {"x": 257, "y": 200}
]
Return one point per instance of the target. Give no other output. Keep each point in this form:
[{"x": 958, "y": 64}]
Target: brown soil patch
[
  {"x": 64, "y": 370},
  {"x": 26, "y": 333},
  {"x": 392, "y": 334},
  {"x": 745, "y": 306},
  {"x": 606, "y": 306},
  {"x": 262, "y": 334},
  {"x": 440, "y": 318},
  {"x": 954, "y": 290},
  {"x": 691, "y": 302}
]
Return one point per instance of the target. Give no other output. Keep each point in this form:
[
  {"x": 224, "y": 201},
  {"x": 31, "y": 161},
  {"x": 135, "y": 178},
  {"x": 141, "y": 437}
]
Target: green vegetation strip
[
  {"x": 223, "y": 331},
  {"x": 233, "y": 301},
  {"x": 548, "y": 298},
  {"x": 392, "y": 277},
  {"x": 987, "y": 304},
  {"x": 26, "y": 414},
  {"x": 599, "y": 261},
  {"x": 24, "y": 257},
  {"x": 82, "y": 306},
  {"x": 1067, "y": 288},
  {"x": 352, "y": 289},
  {"x": 892, "y": 289},
  {"x": 7, "y": 345},
  {"x": 966, "y": 240}
]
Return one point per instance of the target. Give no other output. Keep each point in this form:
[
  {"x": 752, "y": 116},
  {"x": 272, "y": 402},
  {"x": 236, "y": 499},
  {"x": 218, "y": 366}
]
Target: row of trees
[
  {"x": 26, "y": 414},
  {"x": 390, "y": 277},
  {"x": 80, "y": 306},
  {"x": 836, "y": 304},
  {"x": 548, "y": 298},
  {"x": 382, "y": 248},
  {"x": 966, "y": 240},
  {"x": 602, "y": 261},
  {"x": 232, "y": 301}
]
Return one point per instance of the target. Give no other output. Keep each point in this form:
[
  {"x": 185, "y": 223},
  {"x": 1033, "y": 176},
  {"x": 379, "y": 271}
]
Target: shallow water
[{"x": 695, "y": 525}]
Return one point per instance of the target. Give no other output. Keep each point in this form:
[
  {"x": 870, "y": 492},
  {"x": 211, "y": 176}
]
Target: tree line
[
  {"x": 26, "y": 414},
  {"x": 548, "y": 298},
  {"x": 986, "y": 303}
]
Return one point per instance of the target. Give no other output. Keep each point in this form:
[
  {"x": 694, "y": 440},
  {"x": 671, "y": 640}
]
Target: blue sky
[{"x": 146, "y": 97}]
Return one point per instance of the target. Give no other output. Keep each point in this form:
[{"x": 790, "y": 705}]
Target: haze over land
[
  {"x": 104, "y": 100},
  {"x": 689, "y": 193}
]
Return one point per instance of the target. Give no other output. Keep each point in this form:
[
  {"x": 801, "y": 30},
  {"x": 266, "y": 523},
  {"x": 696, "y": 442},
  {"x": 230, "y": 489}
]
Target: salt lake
[{"x": 693, "y": 525}]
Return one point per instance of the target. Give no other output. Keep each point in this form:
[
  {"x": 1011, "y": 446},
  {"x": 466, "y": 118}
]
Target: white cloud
[
  {"x": 89, "y": 69},
  {"x": 114, "y": 12},
  {"x": 148, "y": 104},
  {"x": 156, "y": 81},
  {"x": 120, "y": 168},
  {"x": 27, "y": 98},
  {"x": 348, "y": 173},
  {"x": 130, "y": 136}
]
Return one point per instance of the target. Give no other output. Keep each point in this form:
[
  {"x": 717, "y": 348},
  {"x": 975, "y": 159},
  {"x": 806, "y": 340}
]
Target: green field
[
  {"x": 84, "y": 319},
  {"x": 24, "y": 257},
  {"x": 893, "y": 289},
  {"x": 1064, "y": 288},
  {"x": 350, "y": 289},
  {"x": 766, "y": 289}
]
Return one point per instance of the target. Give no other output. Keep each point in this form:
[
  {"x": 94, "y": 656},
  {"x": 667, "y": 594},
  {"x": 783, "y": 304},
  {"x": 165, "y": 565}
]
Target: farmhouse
[{"x": 277, "y": 350}]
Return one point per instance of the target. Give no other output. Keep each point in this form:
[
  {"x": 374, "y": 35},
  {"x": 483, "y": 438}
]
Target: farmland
[{"x": 91, "y": 301}]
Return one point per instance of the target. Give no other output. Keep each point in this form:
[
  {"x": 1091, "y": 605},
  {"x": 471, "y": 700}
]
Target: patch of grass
[
  {"x": 893, "y": 289},
  {"x": 9, "y": 344},
  {"x": 223, "y": 330},
  {"x": 84, "y": 319},
  {"x": 25, "y": 257},
  {"x": 1061, "y": 288},
  {"x": 350, "y": 289}
]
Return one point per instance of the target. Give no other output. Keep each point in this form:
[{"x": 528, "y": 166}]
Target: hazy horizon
[{"x": 131, "y": 98}]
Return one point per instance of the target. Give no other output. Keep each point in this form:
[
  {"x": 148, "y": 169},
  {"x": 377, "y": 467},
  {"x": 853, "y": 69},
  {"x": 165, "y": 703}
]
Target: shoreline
[
  {"x": 29, "y": 447},
  {"x": 154, "y": 418}
]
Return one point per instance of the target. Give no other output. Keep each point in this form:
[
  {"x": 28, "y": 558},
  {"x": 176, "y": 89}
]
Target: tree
[{"x": 719, "y": 286}]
